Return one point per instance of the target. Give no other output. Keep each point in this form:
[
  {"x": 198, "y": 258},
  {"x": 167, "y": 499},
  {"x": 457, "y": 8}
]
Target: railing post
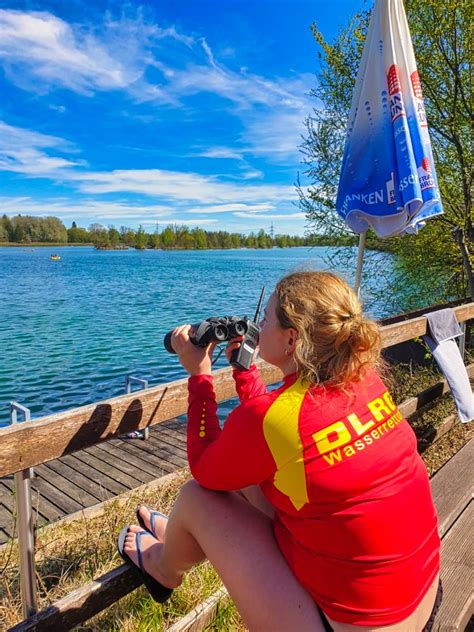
[
  {"x": 26, "y": 540},
  {"x": 462, "y": 339},
  {"x": 129, "y": 380}
]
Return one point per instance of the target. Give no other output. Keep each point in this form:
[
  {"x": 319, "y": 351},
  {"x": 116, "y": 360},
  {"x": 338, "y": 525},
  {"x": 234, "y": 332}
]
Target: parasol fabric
[{"x": 388, "y": 179}]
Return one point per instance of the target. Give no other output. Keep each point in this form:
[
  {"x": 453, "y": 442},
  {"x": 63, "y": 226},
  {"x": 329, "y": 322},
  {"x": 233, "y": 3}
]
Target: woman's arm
[
  {"x": 248, "y": 384},
  {"x": 231, "y": 458}
]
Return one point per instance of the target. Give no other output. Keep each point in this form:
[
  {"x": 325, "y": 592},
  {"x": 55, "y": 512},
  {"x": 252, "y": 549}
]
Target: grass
[{"x": 69, "y": 555}]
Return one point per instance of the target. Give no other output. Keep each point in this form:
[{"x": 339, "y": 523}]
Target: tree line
[{"x": 25, "y": 229}]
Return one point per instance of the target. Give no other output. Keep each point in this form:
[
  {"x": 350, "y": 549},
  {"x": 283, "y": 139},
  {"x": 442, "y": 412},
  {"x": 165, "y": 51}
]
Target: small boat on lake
[{"x": 55, "y": 258}]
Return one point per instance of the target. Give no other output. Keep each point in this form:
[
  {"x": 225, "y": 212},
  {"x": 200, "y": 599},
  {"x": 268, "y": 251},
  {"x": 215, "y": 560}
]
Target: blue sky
[{"x": 185, "y": 112}]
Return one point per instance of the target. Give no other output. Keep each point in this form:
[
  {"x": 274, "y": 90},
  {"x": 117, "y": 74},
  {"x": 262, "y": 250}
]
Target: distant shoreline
[{"x": 40, "y": 244}]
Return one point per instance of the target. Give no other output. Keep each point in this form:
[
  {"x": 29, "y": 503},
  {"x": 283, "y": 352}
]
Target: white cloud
[
  {"x": 222, "y": 152},
  {"x": 226, "y": 208},
  {"x": 40, "y": 52},
  {"x": 182, "y": 222},
  {"x": 25, "y": 151},
  {"x": 264, "y": 216},
  {"x": 75, "y": 209},
  {"x": 180, "y": 186}
]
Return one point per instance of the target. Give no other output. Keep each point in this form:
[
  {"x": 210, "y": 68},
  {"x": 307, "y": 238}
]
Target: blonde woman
[{"x": 312, "y": 502}]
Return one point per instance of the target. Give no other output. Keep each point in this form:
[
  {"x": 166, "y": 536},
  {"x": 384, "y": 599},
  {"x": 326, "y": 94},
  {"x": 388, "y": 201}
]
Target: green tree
[
  {"x": 6, "y": 223},
  {"x": 114, "y": 236},
  {"x": 141, "y": 239},
  {"x": 76, "y": 235},
  {"x": 168, "y": 238},
  {"x": 200, "y": 239},
  {"x": 440, "y": 32}
]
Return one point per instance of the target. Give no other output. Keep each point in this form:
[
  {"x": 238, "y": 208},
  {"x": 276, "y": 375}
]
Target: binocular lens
[
  {"x": 220, "y": 332},
  {"x": 240, "y": 328}
]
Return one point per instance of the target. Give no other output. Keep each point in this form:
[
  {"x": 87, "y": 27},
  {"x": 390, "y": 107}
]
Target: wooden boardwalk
[{"x": 87, "y": 477}]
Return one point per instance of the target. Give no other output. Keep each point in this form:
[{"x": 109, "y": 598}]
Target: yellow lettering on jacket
[
  {"x": 358, "y": 426},
  {"x": 332, "y": 437},
  {"x": 376, "y": 407},
  {"x": 281, "y": 431}
]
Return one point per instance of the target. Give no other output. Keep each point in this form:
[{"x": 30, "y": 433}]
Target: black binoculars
[
  {"x": 224, "y": 328},
  {"x": 215, "y": 329}
]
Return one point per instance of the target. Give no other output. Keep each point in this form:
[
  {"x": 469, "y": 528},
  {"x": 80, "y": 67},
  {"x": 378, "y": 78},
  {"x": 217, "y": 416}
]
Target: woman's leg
[{"x": 238, "y": 540}]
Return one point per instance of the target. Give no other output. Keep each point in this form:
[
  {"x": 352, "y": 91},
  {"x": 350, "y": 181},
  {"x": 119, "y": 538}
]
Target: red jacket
[{"x": 354, "y": 515}]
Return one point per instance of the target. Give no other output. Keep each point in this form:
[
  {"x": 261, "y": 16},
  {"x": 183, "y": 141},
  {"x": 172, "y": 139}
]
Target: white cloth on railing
[{"x": 443, "y": 329}]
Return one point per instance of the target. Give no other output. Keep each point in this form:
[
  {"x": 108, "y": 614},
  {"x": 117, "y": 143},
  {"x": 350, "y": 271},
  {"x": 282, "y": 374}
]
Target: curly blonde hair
[{"x": 336, "y": 342}]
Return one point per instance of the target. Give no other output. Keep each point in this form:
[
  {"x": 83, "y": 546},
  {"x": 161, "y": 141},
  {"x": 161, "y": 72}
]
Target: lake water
[{"x": 72, "y": 329}]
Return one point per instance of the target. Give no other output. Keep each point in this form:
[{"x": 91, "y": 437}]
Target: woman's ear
[{"x": 292, "y": 338}]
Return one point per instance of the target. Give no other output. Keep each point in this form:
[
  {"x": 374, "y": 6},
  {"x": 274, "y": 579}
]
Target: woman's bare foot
[
  {"x": 151, "y": 551},
  {"x": 159, "y": 522}
]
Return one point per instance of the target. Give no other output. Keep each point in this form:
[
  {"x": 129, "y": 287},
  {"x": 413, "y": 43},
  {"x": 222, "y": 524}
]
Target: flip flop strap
[
  {"x": 153, "y": 515},
  {"x": 138, "y": 540}
]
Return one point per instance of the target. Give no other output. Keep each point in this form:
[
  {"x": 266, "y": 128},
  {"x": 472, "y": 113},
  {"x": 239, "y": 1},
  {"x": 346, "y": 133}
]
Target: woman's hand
[
  {"x": 235, "y": 344},
  {"x": 195, "y": 360},
  {"x": 232, "y": 346}
]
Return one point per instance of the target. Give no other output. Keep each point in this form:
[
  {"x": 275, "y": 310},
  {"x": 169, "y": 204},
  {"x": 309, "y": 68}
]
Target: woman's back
[{"x": 354, "y": 514}]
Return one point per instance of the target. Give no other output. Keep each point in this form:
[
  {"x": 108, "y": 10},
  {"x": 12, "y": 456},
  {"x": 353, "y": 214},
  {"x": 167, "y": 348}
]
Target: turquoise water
[{"x": 72, "y": 329}]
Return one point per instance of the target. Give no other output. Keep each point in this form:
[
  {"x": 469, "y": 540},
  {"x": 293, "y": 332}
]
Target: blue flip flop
[
  {"x": 153, "y": 515},
  {"x": 159, "y": 592}
]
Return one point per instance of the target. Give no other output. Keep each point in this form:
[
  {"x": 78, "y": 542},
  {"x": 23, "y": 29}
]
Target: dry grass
[{"x": 70, "y": 555}]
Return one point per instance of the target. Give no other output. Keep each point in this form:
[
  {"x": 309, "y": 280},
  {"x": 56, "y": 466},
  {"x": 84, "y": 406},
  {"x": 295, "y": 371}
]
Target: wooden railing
[{"x": 35, "y": 442}]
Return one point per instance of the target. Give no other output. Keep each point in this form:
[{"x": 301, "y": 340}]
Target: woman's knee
[{"x": 193, "y": 494}]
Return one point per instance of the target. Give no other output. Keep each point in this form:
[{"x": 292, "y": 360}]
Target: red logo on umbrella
[
  {"x": 425, "y": 164},
  {"x": 393, "y": 80},
  {"x": 415, "y": 82}
]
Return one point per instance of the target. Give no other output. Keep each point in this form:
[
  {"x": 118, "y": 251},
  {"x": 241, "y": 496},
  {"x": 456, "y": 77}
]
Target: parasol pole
[{"x": 360, "y": 259}]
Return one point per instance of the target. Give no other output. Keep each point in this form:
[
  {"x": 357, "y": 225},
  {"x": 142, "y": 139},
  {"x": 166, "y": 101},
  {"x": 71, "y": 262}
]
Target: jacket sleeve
[
  {"x": 249, "y": 383},
  {"x": 231, "y": 458}
]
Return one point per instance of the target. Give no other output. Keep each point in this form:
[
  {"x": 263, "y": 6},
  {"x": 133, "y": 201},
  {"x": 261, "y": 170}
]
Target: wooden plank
[
  {"x": 105, "y": 471},
  {"x": 127, "y": 457},
  {"x": 202, "y": 615},
  {"x": 416, "y": 327},
  {"x": 7, "y": 499},
  {"x": 457, "y": 605},
  {"x": 135, "y": 474},
  {"x": 165, "y": 452},
  {"x": 50, "y": 437},
  {"x": 171, "y": 439},
  {"x": 7, "y": 522},
  {"x": 47, "y": 483},
  {"x": 430, "y": 435},
  {"x": 57, "y": 474},
  {"x": 451, "y": 486},
  {"x": 176, "y": 443},
  {"x": 83, "y": 477},
  {"x": 83, "y": 603},
  {"x": 42, "y": 508},
  {"x": 411, "y": 405},
  {"x": 150, "y": 453}
]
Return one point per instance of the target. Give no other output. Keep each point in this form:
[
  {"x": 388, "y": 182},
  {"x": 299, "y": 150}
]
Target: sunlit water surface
[{"x": 72, "y": 329}]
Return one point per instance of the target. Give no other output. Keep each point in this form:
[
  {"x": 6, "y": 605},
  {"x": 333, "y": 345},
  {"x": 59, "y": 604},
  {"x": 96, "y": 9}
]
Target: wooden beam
[
  {"x": 416, "y": 327},
  {"x": 83, "y": 603},
  {"x": 30, "y": 443},
  {"x": 413, "y": 404},
  {"x": 202, "y": 615},
  {"x": 33, "y": 442}
]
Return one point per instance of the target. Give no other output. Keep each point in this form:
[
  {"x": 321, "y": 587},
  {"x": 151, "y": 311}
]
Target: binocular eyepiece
[{"x": 215, "y": 329}]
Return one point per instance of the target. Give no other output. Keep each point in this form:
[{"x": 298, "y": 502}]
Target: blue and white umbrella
[{"x": 388, "y": 178}]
